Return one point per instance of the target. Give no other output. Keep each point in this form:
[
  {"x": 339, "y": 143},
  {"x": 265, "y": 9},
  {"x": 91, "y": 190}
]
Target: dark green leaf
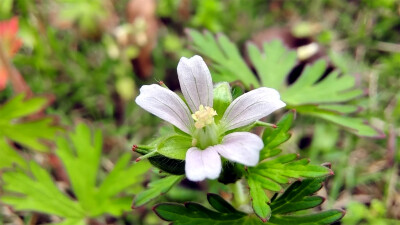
[
  {"x": 296, "y": 197},
  {"x": 172, "y": 166},
  {"x": 219, "y": 204},
  {"x": 326, "y": 217},
  {"x": 193, "y": 213}
]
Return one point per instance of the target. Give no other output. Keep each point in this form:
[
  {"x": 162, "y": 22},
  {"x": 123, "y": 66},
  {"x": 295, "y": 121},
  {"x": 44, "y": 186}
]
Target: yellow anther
[{"x": 204, "y": 116}]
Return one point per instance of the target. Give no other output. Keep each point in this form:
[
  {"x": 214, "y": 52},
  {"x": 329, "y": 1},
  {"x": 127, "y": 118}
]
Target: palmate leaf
[
  {"x": 38, "y": 193},
  {"x": 30, "y": 133},
  {"x": 194, "y": 213},
  {"x": 309, "y": 95},
  {"x": 295, "y": 198},
  {"x": 270, "y": 174},
  {"x": 81, "y": 155}
]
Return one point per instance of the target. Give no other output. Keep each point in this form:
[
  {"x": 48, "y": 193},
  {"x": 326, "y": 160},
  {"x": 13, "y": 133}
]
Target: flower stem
[{"x": 239, "y": 197}]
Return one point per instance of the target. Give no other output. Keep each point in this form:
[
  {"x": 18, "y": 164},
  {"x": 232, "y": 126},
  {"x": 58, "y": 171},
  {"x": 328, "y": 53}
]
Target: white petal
[
  {"x": 196, "y": 83},
  {"x": 250, "y": 107},
  {"x": 201, "y": 164},
  {"x": 167, "y": 105},
  {"x": 241, "y": 147}
]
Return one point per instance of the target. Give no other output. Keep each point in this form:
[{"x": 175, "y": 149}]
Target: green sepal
[
  {"x": 231, "y": 172},
  {"x": 172, "y": 166},
  {"x": 175, "y": 146},
  {"x": 222, "y": 98}
]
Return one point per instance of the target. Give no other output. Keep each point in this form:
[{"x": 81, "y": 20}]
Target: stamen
[{"x": 204, "y": 116}]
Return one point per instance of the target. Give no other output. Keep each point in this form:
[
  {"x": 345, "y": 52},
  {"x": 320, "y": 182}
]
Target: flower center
[
  {"x": 204, "y": 116},
  {"x": 206, "y": 133}
]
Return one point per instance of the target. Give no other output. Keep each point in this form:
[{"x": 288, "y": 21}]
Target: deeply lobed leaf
[
  {"x": 295, "y": 198},
  {"x": 81, "y": 158},
  {"x": 26, "y": 133},
  {"x": 328, "y": 95}
]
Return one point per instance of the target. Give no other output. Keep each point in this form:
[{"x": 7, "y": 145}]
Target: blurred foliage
[
  {"x": 13, "y": 127},
  {"x": 80, "y": 155},
  {"x": 76, "y": 53},
  {"x": 311, "y": 94}
]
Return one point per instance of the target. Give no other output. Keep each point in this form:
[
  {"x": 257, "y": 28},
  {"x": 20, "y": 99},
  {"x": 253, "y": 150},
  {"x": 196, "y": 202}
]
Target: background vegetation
[{"x": 82, "y": 62}]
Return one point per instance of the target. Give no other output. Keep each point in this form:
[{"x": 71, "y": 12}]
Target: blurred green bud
[{"x": 222, "y": 99}]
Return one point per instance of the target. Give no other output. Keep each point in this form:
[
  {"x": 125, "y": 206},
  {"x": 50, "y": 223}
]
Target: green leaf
[
  {"x": 332, "y": 89},
  {"x": 275, "y": 53},
  {"x": 175, "y": 146},
  {"x": 17, "y": 107},
  {"x": 26, "y": 133},
  {"x": 9, "y": 156},
  {"x": 38, "y": 193},
  {"x": 259, "y": 200},
  {"x": 155, "y": 189},
  {"x": 81, "y": 155},
  {"x": 326, "y": 217},
  {"x": 71, "y": 222},
  {"x": 193, "y": 213},
  {"x": 219, "y": 204},
  {"x": 295, "y": 198},
  {"x": 226, "y": 57},
  {"x": 358, "y": 126},
  {"x": 270, "y": 174},
  {"x": 81, "y": 159},
  {"x": 172, "y": 166},
  {"x": 273, "y": 137},
  {"x": 273, "y": 64}
]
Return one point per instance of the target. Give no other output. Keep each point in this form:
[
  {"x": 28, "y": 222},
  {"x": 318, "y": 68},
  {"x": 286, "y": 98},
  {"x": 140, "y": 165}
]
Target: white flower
[{"x": 210, "y": 140}]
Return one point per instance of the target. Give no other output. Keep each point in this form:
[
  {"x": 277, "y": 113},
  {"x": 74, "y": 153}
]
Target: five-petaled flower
[{"x": 210, "y": 139}]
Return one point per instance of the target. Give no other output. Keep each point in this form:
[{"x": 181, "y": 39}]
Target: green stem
[{"x": 239, "y": 197}]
